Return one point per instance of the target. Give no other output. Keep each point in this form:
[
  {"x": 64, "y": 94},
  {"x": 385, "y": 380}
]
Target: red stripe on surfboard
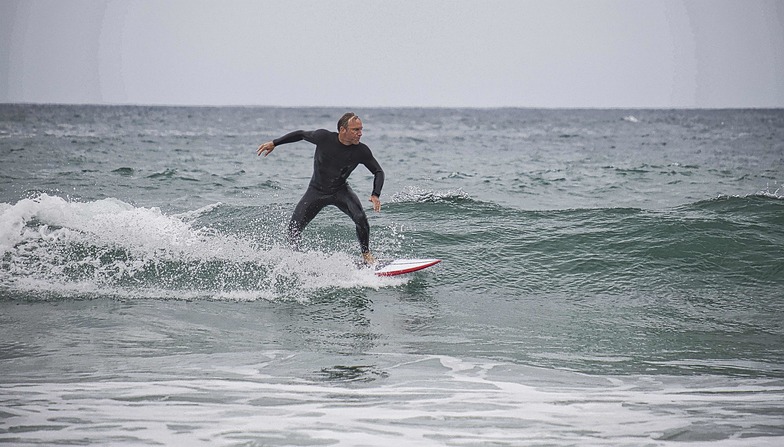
[{"x": 409, "y": 270}]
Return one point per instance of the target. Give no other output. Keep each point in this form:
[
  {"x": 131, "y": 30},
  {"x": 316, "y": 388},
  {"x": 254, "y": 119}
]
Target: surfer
[{"x": 337, "y": 155}]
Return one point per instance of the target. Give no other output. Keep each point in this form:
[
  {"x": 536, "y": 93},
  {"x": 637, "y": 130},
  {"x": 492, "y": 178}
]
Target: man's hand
[
  {"x": 266, "y": 148},
  {"x": 376, "y": 203}
]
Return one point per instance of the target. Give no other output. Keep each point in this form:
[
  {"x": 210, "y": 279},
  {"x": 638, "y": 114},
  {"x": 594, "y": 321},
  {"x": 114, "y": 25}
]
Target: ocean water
[{"x": 609, "y": 278}]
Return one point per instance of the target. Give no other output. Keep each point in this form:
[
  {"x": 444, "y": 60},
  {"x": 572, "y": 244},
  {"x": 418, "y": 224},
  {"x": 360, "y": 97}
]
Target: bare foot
[{"x": 368, "y": 258}]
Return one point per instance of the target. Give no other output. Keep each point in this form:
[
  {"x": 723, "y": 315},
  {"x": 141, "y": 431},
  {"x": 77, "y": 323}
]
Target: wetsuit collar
[{"x": 341, "y": 142}]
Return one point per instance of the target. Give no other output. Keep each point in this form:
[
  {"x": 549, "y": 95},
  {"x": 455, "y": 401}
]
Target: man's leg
[
  {"x": 349, "y": 203},
  {"x": 308, "y": 207}
]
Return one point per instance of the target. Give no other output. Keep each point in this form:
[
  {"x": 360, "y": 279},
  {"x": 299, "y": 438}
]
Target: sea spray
[{"x": 109, "y": 246}]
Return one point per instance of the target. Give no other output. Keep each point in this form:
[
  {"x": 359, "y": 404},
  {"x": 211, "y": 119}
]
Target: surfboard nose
[{"x": 403, "y": 266}]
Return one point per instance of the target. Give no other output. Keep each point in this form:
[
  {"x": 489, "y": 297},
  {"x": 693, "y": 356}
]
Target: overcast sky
[{"x": 460, "y": 53}]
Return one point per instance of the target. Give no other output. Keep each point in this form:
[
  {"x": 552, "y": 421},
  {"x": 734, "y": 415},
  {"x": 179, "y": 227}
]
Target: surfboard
[{"x": 403, "y": 266}]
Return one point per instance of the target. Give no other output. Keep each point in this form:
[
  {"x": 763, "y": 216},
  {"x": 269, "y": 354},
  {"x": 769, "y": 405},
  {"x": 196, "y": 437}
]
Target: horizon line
[{"x": 474, "y": 107}]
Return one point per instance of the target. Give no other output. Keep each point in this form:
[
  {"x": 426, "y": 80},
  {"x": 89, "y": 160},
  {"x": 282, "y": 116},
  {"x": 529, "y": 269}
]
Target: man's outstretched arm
[{"x": 290, "y": 137}]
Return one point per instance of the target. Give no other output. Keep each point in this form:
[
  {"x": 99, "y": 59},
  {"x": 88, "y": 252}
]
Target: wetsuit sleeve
[
  {"x": 378, "y": 173},
  {"x": 297, "y": 135}
]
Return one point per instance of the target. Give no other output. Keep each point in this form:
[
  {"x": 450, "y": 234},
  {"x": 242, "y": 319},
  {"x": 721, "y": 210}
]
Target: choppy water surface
[{"x": 610, "y": 277}]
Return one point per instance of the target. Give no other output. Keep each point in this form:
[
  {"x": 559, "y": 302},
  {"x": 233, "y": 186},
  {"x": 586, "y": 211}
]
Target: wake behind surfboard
[{"x": 403, "y": 266}]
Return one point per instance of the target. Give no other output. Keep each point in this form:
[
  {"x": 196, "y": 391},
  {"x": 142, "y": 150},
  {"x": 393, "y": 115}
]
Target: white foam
[
  {"x": 774, "y": 191},
  {"x": 113, "y": 243},
  {"x": 420, "y": 400}
]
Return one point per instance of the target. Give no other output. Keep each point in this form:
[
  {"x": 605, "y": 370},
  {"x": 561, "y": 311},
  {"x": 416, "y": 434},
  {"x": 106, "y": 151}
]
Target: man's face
[{"x": 352, "y": 132}]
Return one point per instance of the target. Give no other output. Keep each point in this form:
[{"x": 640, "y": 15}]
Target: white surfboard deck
[{"x": 403, "y": 266}]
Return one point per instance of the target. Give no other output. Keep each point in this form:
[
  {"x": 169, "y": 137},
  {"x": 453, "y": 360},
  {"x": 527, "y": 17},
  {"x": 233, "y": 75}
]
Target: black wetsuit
[{"x": 333, "y": 162}]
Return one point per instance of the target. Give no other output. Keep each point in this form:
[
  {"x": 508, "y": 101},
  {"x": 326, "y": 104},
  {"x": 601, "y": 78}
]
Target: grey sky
[{"x": 491, "y": 53}]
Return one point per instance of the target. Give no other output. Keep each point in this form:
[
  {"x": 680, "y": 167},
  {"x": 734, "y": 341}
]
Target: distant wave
[{"x": 737, "y": 203}]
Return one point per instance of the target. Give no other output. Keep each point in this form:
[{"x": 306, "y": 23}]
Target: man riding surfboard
[{"x": 337, "y": 155}]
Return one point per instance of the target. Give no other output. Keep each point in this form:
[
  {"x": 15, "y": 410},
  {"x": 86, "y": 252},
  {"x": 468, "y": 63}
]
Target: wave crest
[
  {"x": 413, "y": 194},
  {"x": 49, "y": 244}
]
